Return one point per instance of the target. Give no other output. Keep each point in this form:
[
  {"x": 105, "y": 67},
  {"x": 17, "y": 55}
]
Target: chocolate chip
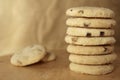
[
  {"x": 81, "y": 11},
  {"x": 19, "y": 62},
  {"x": 39, "y": 50},
  {"x": 86, "y": 24},
  {"x": 88, "y": 34},
  {"x": 74, "y": 39},
  {"x": 102, "y": 33},
  {"x": 111, "y": 25},
  {"x": 105, "y": 49},
  {"x": 71, "y": 10}
]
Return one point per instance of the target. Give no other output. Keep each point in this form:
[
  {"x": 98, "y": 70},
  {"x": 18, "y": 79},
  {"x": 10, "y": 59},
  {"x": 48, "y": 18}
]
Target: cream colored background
[{"x": 26, "y": 22}]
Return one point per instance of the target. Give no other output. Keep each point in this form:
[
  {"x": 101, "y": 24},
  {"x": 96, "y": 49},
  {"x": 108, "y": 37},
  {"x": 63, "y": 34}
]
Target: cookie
[
  {"x": 28, "y": 55},
  {"x": 91, "y": 23},
  {"x": 92, "y": 70},
  {"x": 89, "y": 40},
  {"x": 49, "y": 57},
  {"x": 90, "y": 50},
  {"x": 85, "y": 32},
  {"x": 92, "y": 12},
  {"x": 92, "y": 60}
]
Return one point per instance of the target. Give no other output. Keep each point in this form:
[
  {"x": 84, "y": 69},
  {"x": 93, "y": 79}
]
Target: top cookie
[{"x": 95, "y": 12}]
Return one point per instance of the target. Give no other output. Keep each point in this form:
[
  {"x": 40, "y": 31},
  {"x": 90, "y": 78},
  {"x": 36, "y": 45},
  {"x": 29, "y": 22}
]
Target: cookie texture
[
  {"x": 90, "y": 50},
  {"x": 49, "y": 57},
  {"x": 92, "y": 70},
  {"x": 85, "y": 32},
  {"x": 96, "y": 12},
  {"x": 89, "y": 40},
  {"x": 91, "y": 23},
  {"x": 28, "y": 55},
  {"x": 93, "y": 60}
]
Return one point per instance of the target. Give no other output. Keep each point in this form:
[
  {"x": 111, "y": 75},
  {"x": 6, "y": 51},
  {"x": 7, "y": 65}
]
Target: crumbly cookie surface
[
  {"x": 90, "y": 50},
  {"x": 97, "y": 12},
  {"x": 91, "y": 23},
  {"x": 85, "y": 32},
  {"x": 93, "y": 60},
  {"x": 28, "y": 55},
  {"x": 92, "y": 70},
  {"x": 89, "y": 40}
]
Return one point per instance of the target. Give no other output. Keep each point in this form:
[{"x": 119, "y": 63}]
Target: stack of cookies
[{"x": 90, "y": 37}]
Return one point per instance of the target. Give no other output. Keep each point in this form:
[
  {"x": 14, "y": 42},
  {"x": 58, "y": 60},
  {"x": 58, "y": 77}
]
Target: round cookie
[
  {"x": 94, "y": 12},
  {"x": 49, "y": 57},
  {"x": 89, "y": 32},
  {"x": 89, "y": 40},
  {"x": 28, "y": 55},
  {"x": 91, "y": 23},
  {"x": 92, "y": 60},
  {"x": 92, "y": 70},
  {"x": 90, "y": 50}
]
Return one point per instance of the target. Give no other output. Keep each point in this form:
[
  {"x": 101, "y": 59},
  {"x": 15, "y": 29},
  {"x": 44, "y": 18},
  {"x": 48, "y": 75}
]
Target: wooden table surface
[{"x": 56, "y": 70}]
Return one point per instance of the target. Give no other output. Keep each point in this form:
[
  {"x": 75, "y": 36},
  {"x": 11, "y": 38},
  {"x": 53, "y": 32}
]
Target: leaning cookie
[
  {"x": 89, "y": 40},
  {"x": 28, "y": 55},
  {"x": 90, "y": 50},
  {"x": 93, "y": 60},
  {"x": 85, "y": 32},
  {"x": 92, "y": 12},
  {"x": 92, "y": 70},
  {"x": 49, "y": 57},
  {"x": 91, "y": 23}
]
